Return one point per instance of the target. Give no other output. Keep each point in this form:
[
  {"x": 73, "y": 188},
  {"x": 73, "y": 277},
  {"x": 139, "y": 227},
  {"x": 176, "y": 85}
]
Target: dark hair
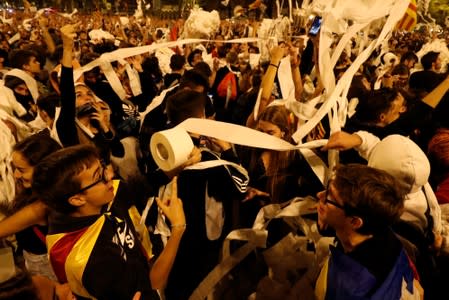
[
  {"x": 19, "y": 58},
  {"x": 13, "y": 81},
  {"x": 39, "y": 51},
  {"x": 88, "y": 57},
  {"x": 428, "y": 59},
  {"x": 150, "y": 66},
  {"x": 177, "y": 62},
  {"x": 375, "y": 103},
  {"x": 159, "y": 33},
  {"x": 409, "y": 56},
  {"x": 37, "y": 146},
  {"x": 192, "y": 55},
  {"x": 221, "y": 51},
  {"x": 400, "y": 69},
  {"x": 19, "y": 287},
  {"x": 257, "y": 76},
  {"x": 232, "y": 58},
  {"x": 104, "y": 47},
  {"x": 4, "y": 54},
  {"x": 203, "y": 68},
  {"x": 57, "y": 55},
  {"x": 34, "y": 149},
  {"x": 185, "y": 104},
  {"x": 48, "y": 103},
  {"x": 192, "y": 79},
  {"x": 357, "y": 88},
  {"x": 55, "y": 177},
  {"x": 279, "y": 160},
  {"x": 371, "y": 194}
]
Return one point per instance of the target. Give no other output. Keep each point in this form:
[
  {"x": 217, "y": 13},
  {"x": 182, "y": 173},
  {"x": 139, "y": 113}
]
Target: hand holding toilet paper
[{"x": 171, "y": 148}]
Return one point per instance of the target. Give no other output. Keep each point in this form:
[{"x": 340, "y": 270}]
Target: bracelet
[
  {"x": 276, "y": 66},
  {"x": 179, "y": 226}
]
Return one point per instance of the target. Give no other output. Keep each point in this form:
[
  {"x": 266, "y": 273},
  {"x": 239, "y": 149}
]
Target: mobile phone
[{"x": 316, "y": 25}]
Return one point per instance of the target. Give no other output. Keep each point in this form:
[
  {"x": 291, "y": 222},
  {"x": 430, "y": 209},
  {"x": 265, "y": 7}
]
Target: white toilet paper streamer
[
  {"x": 241, "y": 135},
  {"x": 171, "y": 148}
]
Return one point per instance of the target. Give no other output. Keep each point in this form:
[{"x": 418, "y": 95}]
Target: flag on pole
[{"x": 408, "y": 22}]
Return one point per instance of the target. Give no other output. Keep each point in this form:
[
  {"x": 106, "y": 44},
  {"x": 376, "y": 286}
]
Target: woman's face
[
  {"x": 23, "y": 171},
  {"x": 270, "y": 128}
]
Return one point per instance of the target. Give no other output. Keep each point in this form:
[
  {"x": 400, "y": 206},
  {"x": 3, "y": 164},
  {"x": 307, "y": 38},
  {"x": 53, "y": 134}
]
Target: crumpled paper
[
  {"x": 201, "y": 24},
  {"x": 276, "y": 30},
  {"x": 164, "y": 55},
  {"x": 97, "y": 35}
]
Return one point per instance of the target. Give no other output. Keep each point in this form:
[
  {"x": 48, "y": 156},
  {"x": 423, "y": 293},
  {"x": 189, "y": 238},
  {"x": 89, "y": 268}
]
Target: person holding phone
[
  {"x": 83, "y": 118},
  {"x": 316, "y": 26}
]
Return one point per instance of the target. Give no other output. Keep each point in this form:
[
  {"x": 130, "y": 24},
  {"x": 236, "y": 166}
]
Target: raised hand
[
  {"x": 172, "y": 207},
  {"x": 102, "y": 115},
  {"x": 68, "y": 33},
  {"x": 277, "y": 53},
  {"x": 342, "y": 141}
]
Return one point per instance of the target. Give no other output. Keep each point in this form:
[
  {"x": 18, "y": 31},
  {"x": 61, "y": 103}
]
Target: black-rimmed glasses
[
  {"x": 103, "y": 178},
  {"x": 327, "y": 199}
]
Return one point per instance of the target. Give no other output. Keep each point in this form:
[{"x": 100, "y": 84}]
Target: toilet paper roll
[{"x": 171, "y": 148}]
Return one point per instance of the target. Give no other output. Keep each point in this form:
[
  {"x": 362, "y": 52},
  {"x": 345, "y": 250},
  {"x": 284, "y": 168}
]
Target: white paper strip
[
  {"x": 396, "y": 13},
  {"x": 285, "y": 78},
  {"x": 241, "y": 135}
]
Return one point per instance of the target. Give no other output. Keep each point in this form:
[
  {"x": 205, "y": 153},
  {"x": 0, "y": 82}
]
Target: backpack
[{"x": 229, "y": 81}]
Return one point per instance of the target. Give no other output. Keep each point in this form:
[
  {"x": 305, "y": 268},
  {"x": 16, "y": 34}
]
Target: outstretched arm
[
  {"x": 267, "y": 82},
  {"x": 43, "y": 23},
  {"x": 32, "y": 214}
]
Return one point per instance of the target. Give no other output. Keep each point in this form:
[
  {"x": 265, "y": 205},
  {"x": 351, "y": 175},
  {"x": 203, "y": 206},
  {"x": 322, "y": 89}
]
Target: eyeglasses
[
  {"x": 327, "y": 199},
  {"x": 103, "y": 178}
]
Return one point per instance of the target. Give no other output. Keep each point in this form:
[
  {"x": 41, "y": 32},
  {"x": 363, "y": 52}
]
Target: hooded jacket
[{"x": 402, "y": 158}]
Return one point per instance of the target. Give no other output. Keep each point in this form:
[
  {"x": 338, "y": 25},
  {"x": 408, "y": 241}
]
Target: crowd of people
[{"x": 91, "y": 215}]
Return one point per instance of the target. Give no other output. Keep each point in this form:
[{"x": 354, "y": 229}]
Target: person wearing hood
[
  {"x": 401, "y": 157},
  {"x": 21, "y": 80}
]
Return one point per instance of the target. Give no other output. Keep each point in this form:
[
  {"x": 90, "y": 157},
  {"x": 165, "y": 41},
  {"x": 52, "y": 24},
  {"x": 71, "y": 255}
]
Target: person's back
[
  {"x": 428, "y": 78},
  {"x": 209, "y": 196}
]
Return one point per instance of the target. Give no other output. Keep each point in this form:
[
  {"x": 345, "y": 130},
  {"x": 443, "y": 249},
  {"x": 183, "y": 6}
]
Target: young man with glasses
[
  {"x": 368, "y": 261},
  {"x": 92, "y": 242}
]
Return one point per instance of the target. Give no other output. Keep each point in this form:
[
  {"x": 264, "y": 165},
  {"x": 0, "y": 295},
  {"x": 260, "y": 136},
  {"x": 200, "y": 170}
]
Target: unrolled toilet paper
[{"x": 171, "y": 148}]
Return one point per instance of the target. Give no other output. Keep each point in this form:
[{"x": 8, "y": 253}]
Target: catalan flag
[{"x": 408, "y": 22}]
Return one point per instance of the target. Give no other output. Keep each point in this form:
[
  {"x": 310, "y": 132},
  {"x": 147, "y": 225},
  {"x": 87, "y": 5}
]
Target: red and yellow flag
[{"x": 410, "y": 18}]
